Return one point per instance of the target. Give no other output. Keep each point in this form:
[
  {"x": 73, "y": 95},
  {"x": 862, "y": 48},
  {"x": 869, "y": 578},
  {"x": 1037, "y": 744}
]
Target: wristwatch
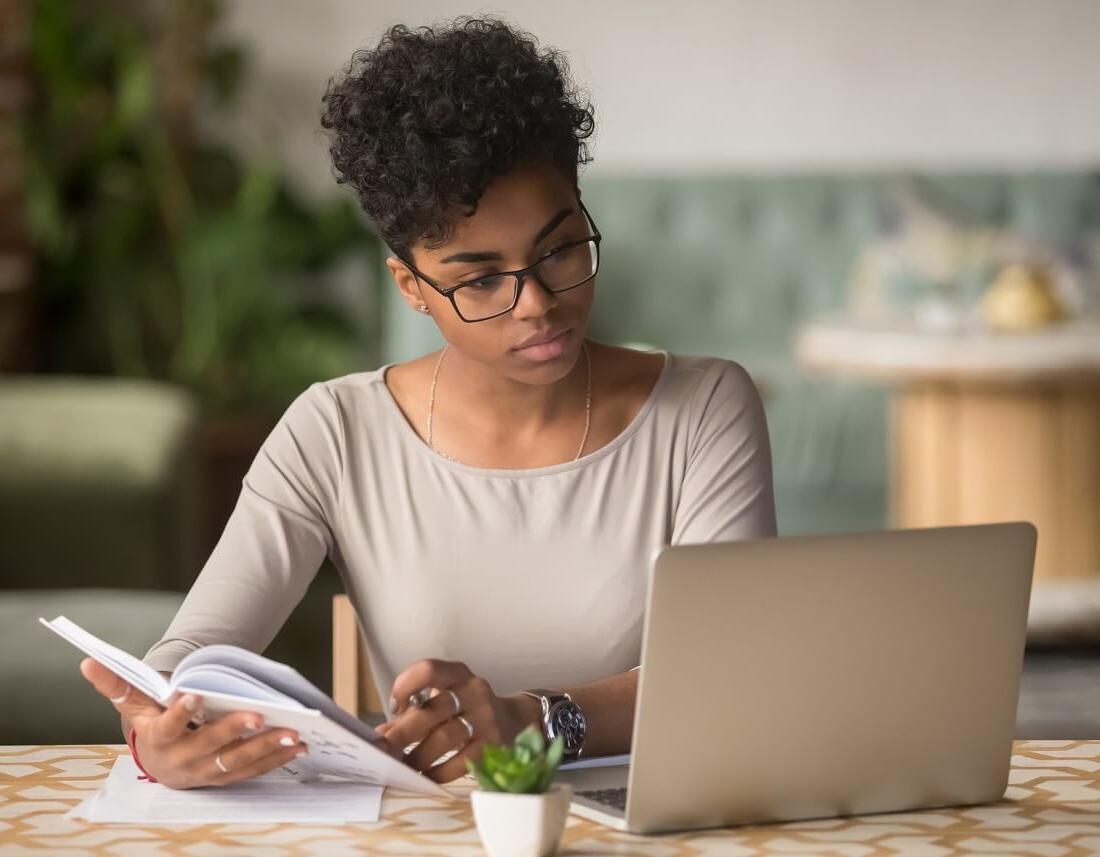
[{"x": 561, "y": 716}]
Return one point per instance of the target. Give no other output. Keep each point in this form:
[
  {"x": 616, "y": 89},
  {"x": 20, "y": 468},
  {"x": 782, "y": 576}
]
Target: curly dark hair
[{"x": 422, "y": 123}]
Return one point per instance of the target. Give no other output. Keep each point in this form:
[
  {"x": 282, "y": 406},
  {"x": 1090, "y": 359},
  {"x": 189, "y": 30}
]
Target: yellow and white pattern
[{"x": 1051, "y": 808}]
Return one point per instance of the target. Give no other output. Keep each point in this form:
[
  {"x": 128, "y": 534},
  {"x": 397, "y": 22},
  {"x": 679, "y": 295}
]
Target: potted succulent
[{"x": 519, "y": 810}]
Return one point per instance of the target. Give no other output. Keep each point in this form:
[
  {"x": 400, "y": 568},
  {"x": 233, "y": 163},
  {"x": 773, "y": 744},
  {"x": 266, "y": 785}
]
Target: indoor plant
[
  {"x": 161, "y": 251},
  {"x": 519, "y": 810}
]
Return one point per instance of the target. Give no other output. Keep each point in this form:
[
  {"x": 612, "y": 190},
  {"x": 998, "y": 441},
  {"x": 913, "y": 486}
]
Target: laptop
[{"x": 822, "y": 676}]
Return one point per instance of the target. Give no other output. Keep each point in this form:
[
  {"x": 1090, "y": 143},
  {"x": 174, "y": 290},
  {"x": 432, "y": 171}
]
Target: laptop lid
[{"x": 819, "y": 676}]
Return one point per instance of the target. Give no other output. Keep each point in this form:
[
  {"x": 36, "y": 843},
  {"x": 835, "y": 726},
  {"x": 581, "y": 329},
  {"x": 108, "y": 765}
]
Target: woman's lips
[{"x": 547, "y": 350}]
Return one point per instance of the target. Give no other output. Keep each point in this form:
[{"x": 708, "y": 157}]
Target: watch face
[{"x": 566, "y": 719}]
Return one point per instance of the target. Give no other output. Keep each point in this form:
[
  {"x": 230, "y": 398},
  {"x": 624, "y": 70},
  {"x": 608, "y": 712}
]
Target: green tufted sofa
[{"x": 730, "y": 265}]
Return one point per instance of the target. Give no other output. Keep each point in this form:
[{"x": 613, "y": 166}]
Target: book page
[
  {"x": 121, "y": 663},
  {"x": 333, "y": 750},
  {"x": 282, "y": 678},
  {"x": 216, "y": 678}
]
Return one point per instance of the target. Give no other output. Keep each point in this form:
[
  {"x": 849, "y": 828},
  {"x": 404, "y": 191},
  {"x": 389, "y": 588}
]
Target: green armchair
[
  {"x": 98, "y": 483},
  {"x": 98, "y": 521}
]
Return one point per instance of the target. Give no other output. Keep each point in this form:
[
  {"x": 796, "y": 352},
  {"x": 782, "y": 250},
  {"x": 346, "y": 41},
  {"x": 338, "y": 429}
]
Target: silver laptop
[{"x": 822, "y": 676}]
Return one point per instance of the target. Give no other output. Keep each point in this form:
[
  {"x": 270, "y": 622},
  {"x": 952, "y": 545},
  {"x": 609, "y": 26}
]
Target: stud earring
[{"x": 424, "y": 309}]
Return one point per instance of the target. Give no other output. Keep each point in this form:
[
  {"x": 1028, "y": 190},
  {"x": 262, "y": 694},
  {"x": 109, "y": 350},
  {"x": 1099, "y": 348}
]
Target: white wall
[{"x": 748, "y": 84}]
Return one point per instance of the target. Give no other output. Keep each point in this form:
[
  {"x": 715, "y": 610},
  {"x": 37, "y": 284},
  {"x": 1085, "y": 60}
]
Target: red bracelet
[{"x": 131, "y": 742}]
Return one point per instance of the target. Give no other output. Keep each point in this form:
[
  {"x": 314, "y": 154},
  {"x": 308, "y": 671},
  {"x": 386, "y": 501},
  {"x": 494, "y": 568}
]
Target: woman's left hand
[{"x": 436, "y": 728}]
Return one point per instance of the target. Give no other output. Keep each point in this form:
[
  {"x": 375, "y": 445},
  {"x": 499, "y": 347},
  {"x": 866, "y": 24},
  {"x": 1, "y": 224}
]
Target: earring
[{"x": 424, "y": 309}]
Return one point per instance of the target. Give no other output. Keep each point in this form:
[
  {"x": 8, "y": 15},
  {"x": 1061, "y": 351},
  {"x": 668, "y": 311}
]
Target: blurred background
[{"x": 889, "y": 213}]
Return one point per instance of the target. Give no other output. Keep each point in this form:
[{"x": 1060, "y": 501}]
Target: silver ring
[
  {"x": 466, "y": 723},
  {"x": 221, "y": 765},
  {"x": 118, "y": 700},
  {"x": 458, "y": 703}
]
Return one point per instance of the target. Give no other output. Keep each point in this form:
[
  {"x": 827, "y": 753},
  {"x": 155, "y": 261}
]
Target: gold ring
[
  {"x": 118, "y": 700},
  {"x": 221, "y": 765}
]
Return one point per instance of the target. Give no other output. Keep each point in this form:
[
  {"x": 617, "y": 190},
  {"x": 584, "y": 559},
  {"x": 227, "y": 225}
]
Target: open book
[{"x": 230, "y": 679}]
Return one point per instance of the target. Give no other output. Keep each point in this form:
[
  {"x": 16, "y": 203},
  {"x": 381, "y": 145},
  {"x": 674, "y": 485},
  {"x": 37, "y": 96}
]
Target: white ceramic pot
[{"x": 518, "y": 825}]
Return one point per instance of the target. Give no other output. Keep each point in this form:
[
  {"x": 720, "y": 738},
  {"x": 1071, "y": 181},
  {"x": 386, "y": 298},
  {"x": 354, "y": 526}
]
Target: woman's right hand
[{"x": 183, "y": 758}]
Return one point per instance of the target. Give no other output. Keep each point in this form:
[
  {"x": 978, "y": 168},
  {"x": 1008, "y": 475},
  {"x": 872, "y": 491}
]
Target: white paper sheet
[
  {"x": 596, "y": 762},
  {"x": 273, "y": 797}
]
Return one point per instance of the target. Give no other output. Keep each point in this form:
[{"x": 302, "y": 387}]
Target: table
[
  {"x": 988, "y": 427},
  {"x": 1051, "y": 808}
]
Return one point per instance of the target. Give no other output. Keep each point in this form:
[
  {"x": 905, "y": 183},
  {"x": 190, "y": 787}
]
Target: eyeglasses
[{"x": 565, "y": 267}]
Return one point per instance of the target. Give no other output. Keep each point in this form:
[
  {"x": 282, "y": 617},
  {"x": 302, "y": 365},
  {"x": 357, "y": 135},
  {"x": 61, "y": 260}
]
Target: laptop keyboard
[{"x": 609, "y": 797}]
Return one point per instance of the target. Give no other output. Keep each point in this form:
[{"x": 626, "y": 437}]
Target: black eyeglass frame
[{"x": 520, "y": 274}]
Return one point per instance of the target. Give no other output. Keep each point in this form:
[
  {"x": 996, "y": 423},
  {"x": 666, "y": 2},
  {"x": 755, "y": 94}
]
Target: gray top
[{"x": 534, "y": 578}]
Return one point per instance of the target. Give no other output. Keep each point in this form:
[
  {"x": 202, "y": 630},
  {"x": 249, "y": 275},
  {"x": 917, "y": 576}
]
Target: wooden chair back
[{"x": 353, "y": 687}]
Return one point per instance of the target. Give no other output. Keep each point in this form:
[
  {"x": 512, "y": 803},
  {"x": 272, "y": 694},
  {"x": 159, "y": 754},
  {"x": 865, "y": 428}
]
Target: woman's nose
[{"x": 535, "y": 299}]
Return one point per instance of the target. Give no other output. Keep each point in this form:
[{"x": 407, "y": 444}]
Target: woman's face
[{"x": 521, "y": 218}]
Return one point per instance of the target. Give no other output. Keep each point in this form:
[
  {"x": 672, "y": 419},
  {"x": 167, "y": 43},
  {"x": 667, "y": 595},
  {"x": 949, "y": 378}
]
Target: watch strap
[
  {"x": 550, "y": 696},
  {"x": 547, "y": 699},
  {"x": 544, "y": 701}
]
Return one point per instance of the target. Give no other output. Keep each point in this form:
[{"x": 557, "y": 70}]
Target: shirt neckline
[{"x": 409, "y": 435}]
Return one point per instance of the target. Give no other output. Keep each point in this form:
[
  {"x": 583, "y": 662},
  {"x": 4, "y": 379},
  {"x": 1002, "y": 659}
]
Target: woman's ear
[{"x": 407, "y": 283}]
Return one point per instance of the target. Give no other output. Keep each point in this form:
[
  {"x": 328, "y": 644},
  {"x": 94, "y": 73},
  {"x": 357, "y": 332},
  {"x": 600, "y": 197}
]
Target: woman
[{"x": 492, "y": 507}]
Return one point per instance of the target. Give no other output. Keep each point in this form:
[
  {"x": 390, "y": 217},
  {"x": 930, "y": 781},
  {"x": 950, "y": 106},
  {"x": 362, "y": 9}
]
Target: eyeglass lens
[{"x": 558, "y": 272}]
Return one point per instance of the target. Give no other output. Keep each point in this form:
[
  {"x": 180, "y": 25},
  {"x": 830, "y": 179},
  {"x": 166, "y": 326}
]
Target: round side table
[{"x": 991, "y": 427}]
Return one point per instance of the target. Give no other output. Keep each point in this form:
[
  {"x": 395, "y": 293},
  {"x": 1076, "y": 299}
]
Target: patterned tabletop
[{"x": 1051, "y": 808}]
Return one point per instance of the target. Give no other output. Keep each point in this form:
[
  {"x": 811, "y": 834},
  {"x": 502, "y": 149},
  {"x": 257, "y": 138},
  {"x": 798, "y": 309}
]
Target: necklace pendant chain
[{"x": 587, "y": 403}]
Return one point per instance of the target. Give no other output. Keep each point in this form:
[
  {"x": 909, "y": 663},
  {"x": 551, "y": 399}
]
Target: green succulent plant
[{"x": 527, "y": 767}]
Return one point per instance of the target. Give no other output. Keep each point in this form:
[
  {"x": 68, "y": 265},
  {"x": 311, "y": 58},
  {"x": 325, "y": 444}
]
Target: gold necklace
[{"x": 587, "y": 402}]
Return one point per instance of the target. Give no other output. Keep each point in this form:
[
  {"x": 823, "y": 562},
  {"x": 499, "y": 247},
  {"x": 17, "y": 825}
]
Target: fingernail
[
  {"x": 190, "y": 702},
  {"x": 393, "y": 703},
  {"x": 287, "y": 741},
  {"x": 251, "y": 724},
  {"x": 301, "y": 753}
]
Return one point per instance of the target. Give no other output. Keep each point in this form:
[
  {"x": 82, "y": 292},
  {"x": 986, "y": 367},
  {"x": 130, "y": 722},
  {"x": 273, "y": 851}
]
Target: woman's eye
[{"x": 489, "y": 281}]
